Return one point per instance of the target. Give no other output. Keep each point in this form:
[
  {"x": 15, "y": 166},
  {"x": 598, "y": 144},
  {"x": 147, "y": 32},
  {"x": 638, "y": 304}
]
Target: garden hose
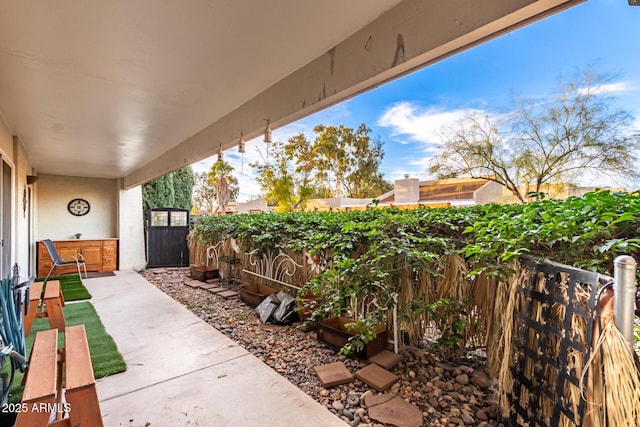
[
  {"x": 11, "y": 330},
  {"x": 17, "y": 358}
]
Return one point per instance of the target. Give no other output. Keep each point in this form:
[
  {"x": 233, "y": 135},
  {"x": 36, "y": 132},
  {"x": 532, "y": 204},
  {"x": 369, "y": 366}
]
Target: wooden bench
[
  {"x": 45, "y": 304},
  {"x": 44, "y": 388}
]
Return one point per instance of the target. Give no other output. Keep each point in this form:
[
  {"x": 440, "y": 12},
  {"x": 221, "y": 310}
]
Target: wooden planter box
[
  {"x": 252, "y": 294},
  {"x": 204, "y": 273},
  {"x": 303, "y": 312},
  {"x": 333, "y": 333}
]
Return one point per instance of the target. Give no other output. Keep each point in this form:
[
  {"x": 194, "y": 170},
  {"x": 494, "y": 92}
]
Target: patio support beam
[{"x": 412, "y": 35}]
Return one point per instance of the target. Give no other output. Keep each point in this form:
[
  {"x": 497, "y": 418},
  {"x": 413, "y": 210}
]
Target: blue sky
[{"x": 529, "y": 62}]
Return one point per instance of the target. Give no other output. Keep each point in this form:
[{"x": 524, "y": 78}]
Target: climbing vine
[{"x": 376, "y": 258}]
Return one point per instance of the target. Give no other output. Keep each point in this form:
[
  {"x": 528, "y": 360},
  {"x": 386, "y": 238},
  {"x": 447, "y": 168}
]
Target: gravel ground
[{"x": 451, "y": 393}]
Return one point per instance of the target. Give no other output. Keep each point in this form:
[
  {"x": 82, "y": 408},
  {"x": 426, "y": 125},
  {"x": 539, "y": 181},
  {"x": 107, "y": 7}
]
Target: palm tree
[{"x": 221, "y": 175}]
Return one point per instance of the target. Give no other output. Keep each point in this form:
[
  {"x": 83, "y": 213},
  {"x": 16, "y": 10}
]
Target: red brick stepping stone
[
  {"x": 207, "y": 286},
  {"x": 193, "y": 283},
  {"x": 391, "y": 409},
  {"x": 216, "y": 290},
  {"x": 387, "y": 359},
  {"x": 227, "y": 294},
  {"x": 376, "y": 377},
  {"x": 333, "y": 374}
]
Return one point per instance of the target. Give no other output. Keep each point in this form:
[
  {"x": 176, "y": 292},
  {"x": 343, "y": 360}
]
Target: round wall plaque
[{"x": 78, "y": 207}]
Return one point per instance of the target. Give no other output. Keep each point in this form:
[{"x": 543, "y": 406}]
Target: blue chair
[{"x": 58, "y": 262}]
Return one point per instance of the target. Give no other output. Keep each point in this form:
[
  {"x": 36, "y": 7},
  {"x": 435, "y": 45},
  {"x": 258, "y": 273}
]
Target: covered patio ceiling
[{"x": 136, "y": 89}]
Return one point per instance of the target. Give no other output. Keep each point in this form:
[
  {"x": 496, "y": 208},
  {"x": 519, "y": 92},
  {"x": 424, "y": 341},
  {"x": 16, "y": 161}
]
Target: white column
[{"x": 131, "y": 230}]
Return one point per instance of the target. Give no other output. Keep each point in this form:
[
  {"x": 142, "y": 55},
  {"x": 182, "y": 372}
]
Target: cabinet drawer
[
  {"x": 108, "y": 264},
  {"x": 109, "y": 250}
]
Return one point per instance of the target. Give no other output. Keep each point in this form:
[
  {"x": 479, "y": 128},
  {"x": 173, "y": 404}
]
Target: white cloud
[
  {"x": 607, "y": 89},
  {"x": 421, "y": 124},
  {"x": 422, "y": 127}
]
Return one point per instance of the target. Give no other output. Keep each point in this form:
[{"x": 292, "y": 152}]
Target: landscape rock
[
  {"x": 481, "y": 380},
  {"x": 462, "y": 379},
  {"x": 437, "y": 392},
  {"x": 353, "y": 400},
  {"x": 467, "y": 419}
]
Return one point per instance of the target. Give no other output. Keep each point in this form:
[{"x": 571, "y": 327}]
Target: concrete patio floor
[{"x": 183, "y": 372}]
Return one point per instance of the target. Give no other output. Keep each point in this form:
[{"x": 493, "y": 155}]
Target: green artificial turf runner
[
  {"x": 72, "y": 287},
  {"x": 105, "y": 358}
]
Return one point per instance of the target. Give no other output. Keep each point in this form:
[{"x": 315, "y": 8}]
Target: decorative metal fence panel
[{"x": 556, "y": 312}]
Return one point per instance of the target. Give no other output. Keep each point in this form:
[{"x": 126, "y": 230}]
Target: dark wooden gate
[{"x": 167, "y": 230}]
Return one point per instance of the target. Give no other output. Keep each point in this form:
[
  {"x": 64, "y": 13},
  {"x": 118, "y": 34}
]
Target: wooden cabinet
[
  {"x": 99, "y": 255},
  {"x": 109, "y": 255}
]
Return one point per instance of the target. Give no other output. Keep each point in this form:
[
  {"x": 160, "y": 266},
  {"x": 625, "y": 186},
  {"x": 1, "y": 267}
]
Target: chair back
[{"x": 53, "y": 252}]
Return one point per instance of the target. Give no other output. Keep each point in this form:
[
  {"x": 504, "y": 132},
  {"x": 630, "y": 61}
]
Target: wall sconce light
[
  {"x": 267, "y": 133},
  {"x": 241, "y": 144}
]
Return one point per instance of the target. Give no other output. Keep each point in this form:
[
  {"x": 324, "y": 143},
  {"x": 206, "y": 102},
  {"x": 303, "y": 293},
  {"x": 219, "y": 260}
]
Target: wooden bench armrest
[
  {"x": 35, "y": 291},
  {"x": 52, "y": 290}
]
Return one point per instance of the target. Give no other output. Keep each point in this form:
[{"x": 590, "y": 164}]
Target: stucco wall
[
  {"x": 491, "y": 192},
  {"x": 257, "y": 204},
  {"x": 131, "y": 229},
  {"x": 54, "y": 221},
  {"x": 24, "y": 250},
  {"x": 336, "y": 202},
  {"x": 7, "y": 203},
  {"x": 6, "y": 139},
  {"x": 407, "y": 190}
]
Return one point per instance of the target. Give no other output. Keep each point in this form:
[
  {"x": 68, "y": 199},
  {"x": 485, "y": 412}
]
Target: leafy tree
[
  {"x": 288, "y": 180},
  {"x": 544, "y": 142},
  {"x": 183, "y": 181},
  {"x": 204, "y": 194},
  {"x": 339, "y": 162},
  {"x": 172, "y": 190},
  {"x": 158, "y": 193},
  {"x": 348, "y": 160}
]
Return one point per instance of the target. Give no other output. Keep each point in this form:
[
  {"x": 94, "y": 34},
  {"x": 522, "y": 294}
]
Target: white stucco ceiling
[{"x": 102, "y": 88}]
